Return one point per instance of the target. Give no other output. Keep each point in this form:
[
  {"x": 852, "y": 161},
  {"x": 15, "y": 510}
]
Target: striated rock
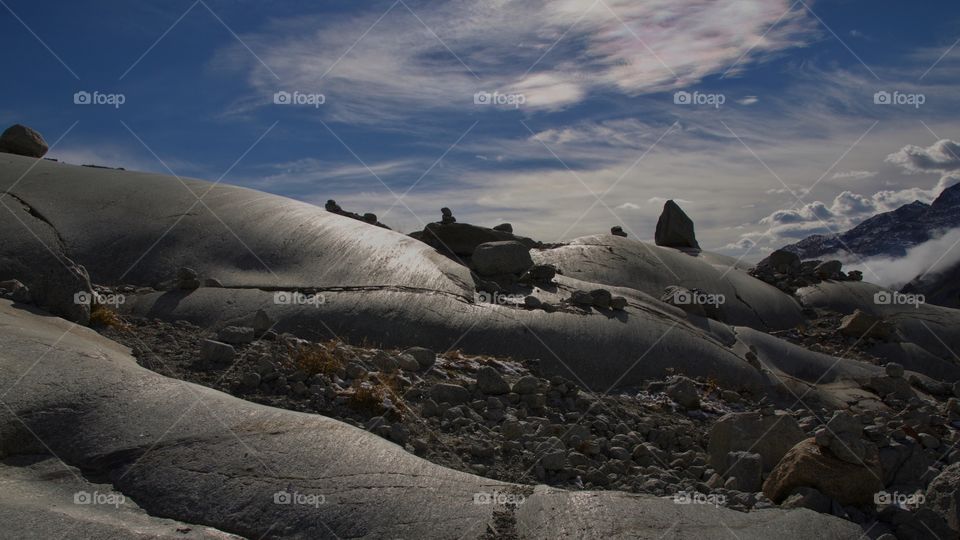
[
  {"x": 807, "y": 465},
  {"x": 21, "y": 140},
  {"x": 675, "y": 228}
]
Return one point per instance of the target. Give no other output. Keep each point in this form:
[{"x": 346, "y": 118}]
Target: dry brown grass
[
  {"x": 103, "y": 316},
  {"x": 368, "y": 398},
  {"x": 318, "y": 358}
]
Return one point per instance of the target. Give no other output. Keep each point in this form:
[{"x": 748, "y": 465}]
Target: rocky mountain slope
[
  {"x": 942, "y": 288},
  {"x": 889, "y": 234},
  {"x": 238, "y": 363}
]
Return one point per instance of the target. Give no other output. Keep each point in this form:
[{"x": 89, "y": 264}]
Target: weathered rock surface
[
  {"x": 808, "y": 465},
  {"x": 256, "y": 471}
]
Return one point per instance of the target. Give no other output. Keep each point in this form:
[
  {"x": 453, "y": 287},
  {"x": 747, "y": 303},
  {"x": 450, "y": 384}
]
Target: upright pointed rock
[{"x": 675, "y": 228}]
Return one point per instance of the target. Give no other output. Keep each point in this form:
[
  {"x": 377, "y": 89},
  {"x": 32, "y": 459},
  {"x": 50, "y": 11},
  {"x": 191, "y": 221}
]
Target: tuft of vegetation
[
  {"x": 104, "y": 317},
  {"x": 368, "y": 397},
  {"x": 318, "y": 358}
]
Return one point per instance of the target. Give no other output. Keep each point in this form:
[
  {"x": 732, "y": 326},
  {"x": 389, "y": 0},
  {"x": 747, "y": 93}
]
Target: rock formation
[
  {"x": 19, "y": 139},
  {"x": 675, "y": 228}
]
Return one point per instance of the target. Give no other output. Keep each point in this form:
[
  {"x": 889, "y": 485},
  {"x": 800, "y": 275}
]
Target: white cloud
[
  {"x": 748, "y": 100},
  {"x": 856, "y": 175},
  {"x": 931, "y": 257},
  {"x": 554, "y": 52}
]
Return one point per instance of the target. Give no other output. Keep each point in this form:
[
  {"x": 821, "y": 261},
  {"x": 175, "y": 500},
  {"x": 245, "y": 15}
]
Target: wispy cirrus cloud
[{"x": 381, "y": 66}]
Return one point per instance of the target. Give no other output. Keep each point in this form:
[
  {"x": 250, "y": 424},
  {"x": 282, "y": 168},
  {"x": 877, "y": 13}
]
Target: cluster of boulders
[
  {"x": 368, "y": 217},
  {"x": 459, "y": 240},
  {"x": 21, "y": 140},
  {"x": 598, "y": 298},
  {"x": 784, "y": 270}
]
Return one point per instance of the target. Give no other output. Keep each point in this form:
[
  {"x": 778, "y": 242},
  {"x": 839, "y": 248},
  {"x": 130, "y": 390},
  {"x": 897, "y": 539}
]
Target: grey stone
[
  {"x": 539, "y": 273},
  {"x": 675, "y": 228},
  {"x": 893, "y": 369},
  {"x": 449, "y": 393},
  {"x": 491, "y": 382},
  {"x": 19, "y": 139},
  {"x": 261, "y": 322},
  {"x": 424, "y": 357},
  {"x": 250, "y": 380},
  {"x": 527, "y": 384},
  {"x": 215, "y": 352},
  {"x": 384, "y": 362},
  {"x": 236, "y": 335},
  {"x": 505, "y": 227},
  {"x": 407, "y": 362},
  {"x": 554, "y": 461},
  {"x": 685, "y": 392},
  {"x": 747, "y": 469},
  {"x": 498, "y": 258},
  {"x": 601, "y": 298}
]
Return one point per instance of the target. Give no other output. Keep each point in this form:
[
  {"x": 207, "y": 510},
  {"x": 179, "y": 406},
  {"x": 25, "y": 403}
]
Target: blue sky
[{"x": 590, "y": 134}]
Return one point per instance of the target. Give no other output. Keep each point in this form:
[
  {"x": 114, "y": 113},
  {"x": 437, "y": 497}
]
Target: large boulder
[
  {"x": 809, "y": 465},
  {"x": 770, "y": 436},
  {"x": 675, "y": 228},
  {"x": 19, "y": 139},
  {"x": 498, "y": 258}
]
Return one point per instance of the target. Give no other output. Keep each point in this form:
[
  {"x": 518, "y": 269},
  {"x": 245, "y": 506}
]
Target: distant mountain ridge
[{"x": 890, "y": 233}]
